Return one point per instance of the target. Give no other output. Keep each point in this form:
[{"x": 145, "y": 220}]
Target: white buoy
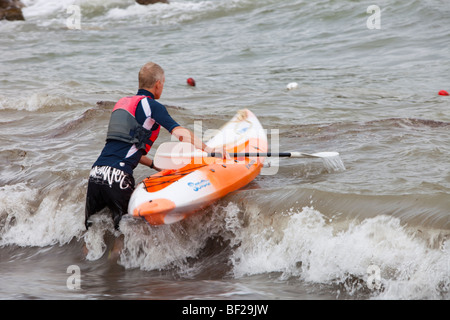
[{"x": 292, "y": 85}]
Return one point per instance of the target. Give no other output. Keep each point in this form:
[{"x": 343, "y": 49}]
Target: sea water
[{"x": 368, "y": 75}]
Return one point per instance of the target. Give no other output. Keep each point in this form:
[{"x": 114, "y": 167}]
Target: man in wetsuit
[{"x": 133, "y": 128}]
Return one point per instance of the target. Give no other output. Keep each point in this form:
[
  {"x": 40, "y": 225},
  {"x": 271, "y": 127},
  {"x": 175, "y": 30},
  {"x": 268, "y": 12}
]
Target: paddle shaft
[
  {"x": 172, "y": 155},
  {"x": 267, "y": 154}
]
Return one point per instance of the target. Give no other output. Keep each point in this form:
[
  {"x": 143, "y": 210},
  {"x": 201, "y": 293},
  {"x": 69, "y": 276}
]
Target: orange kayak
[{"x": 174, "y": 194}]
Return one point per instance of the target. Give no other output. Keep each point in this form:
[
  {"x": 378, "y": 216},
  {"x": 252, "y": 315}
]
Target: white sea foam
[
  {"x": 300, "y": 243},
  {"x": 54, "y": 220},
  {"x": 163, "y": 13},
  {"x": 43, "y": 8},
  {"x": 36, "y": 101},
  {"x": 309, "y": 248},
  {"x": 161, "y": 247},
  {"x": 100, "y": 11},
  {"x": 94, "y": 238}
]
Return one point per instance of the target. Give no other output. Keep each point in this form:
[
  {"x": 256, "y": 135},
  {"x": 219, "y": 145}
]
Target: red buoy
[
  {"x": 443, "y": 93},
  {"x": 191, "y": 82}
]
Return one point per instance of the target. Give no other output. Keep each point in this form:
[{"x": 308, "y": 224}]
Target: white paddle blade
[
  {"x": 325, "y": 154},
  {"x": 175, "y": 155},
  {"x": 314, "y": 155}
]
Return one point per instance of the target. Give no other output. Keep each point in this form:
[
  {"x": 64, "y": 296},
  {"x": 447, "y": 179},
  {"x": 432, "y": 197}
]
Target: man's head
[{"x": 151, "y": 78}]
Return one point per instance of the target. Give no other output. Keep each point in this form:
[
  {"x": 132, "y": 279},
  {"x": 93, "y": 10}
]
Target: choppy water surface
[{"x": 302, "y": 233}]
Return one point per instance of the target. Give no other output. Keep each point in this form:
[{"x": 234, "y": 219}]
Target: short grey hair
[{"x": 149, "y": 74}]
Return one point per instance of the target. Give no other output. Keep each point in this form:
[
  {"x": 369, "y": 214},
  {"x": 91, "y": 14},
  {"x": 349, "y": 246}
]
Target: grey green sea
[{"x": 368, "y": 75}]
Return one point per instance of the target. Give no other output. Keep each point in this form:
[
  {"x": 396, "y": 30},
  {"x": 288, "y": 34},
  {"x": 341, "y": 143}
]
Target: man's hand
[
  {"x": 222, "y": 150},
  {"x": 146, "y": 161}
]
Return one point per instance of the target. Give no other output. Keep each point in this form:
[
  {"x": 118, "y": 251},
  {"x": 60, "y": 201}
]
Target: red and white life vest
[{"x": 123, "y": 125}]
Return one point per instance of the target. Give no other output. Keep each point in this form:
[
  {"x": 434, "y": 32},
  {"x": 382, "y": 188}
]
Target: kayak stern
[{"x": 155, "y": 210}]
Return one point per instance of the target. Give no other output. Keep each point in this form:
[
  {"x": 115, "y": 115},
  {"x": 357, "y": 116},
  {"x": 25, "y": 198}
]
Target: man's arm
[
  {"x": 186, "y": 135},
  {"x": 161, "y": 116},
  {"x": 181, "y": 134},
  {"x": 146, "y": 161}
]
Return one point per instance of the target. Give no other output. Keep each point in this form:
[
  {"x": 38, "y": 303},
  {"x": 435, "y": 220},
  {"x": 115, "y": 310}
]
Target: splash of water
[
  {"x": 333, "y": 164},
  {"x": 302, "y": 243}
]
